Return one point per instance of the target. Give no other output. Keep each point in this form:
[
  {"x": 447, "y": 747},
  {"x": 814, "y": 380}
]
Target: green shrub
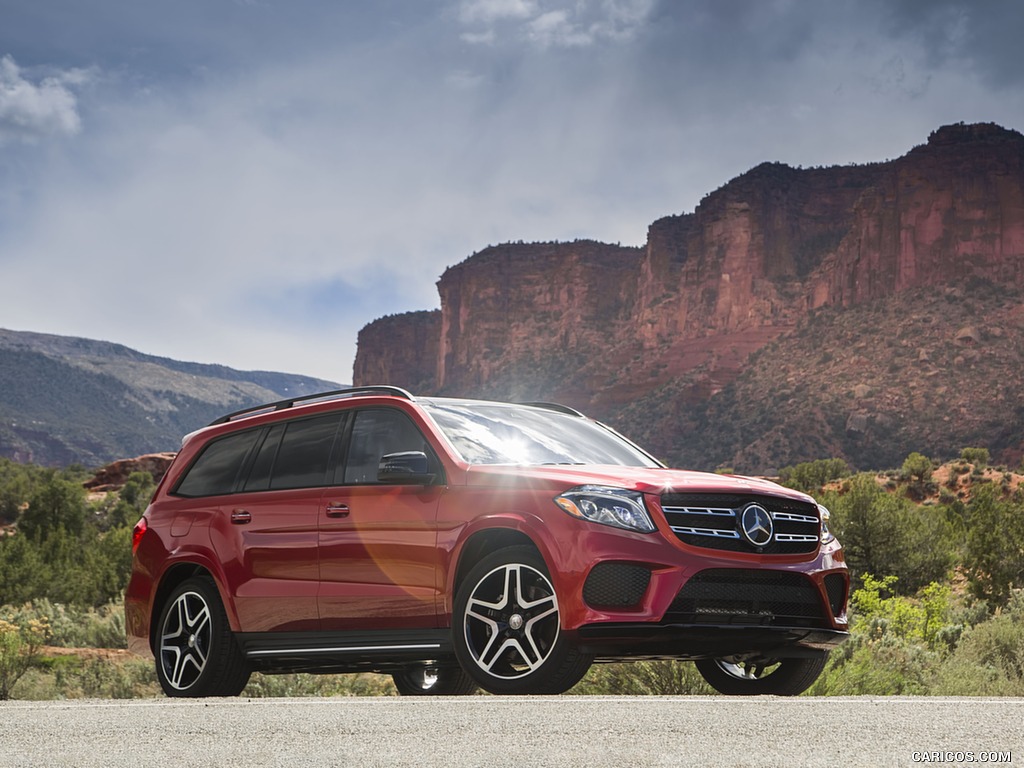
[
  {"x": 877, "y": 611},
  {"x": 886, "y": 533},
  {"x": 917, "y": 468},
  {"x": 73, "y": 626},
  {"x": 887, "y": 666},
  {"x": 979, "y": 457},
  {"x": 295, "y": 685},
  {"x": 994, "y": 548},
  {"x": 20, "y": 644},
  {"x": 810, "y": 476},
  {"x": 643, "y": 678}
]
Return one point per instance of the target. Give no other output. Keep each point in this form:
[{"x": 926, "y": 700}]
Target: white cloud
[
  {"x": 554, "y": 29},
  {"x": 30, "y": 111},
  {"x": 490, "y": 11},
  {"x": 554, "y": 23}
]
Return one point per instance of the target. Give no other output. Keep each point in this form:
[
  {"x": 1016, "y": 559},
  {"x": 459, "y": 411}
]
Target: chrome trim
[
  {"x": 795, "y": 518},
  {"x": 718, "y": 511},
  {"x": 713, "y": 532},
  {"x": 794, "y": 537},
  {"x": 343, "y": 649}
]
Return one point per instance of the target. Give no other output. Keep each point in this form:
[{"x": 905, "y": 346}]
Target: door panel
[
  {"x": 275, "y": 575},
  {"x": 272, "y": 527},
  {"x": 378, "y": 543},
  {"x": 377, "y": 564}
]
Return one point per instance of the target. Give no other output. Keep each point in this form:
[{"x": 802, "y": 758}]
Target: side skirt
[{"x": 337, "y": 652}]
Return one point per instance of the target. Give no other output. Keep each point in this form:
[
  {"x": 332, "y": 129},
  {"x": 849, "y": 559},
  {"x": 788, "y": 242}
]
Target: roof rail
[
  {"x": 335, "y": 394},
  {"x": 558, "y": 407}
]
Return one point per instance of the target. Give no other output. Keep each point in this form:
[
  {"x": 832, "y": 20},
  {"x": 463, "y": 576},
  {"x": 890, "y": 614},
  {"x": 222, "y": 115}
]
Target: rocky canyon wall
[{"x": 598, "y": 326}]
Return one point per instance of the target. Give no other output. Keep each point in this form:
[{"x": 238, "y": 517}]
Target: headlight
[
  {"x": 608, "y": 506},
  {"x": 826, "y": 534}
]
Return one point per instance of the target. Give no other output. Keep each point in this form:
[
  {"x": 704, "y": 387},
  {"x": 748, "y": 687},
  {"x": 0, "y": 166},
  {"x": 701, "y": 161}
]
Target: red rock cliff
[
  {"x": 400, "y": 350},
  {"x": 597, "y": 326},
  {"x": 947, "y": 211},
  {"x": 525, "y": 317}
]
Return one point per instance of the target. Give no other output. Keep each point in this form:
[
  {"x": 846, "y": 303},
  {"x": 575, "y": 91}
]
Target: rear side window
[
  {"x": 216, "y": 470},
  {"x": 259, "y": 475},
  {"x": 305, "y": 452}
]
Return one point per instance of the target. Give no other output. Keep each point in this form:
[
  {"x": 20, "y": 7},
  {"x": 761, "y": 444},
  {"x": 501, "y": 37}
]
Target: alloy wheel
[
  {"x": 185, "y": 639},
  {"x": 511, "y": 621}
]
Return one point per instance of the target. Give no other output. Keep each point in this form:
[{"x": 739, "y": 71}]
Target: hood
[{"x": 655, "y": 481}]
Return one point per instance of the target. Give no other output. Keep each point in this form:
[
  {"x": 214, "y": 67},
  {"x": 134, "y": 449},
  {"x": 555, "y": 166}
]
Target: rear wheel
[
  {"x": 780, "y": 677},
  {"x": 196, "y": 652},
  {"x": 506, "y": 627},
  {"x": 432, "y": 680}
]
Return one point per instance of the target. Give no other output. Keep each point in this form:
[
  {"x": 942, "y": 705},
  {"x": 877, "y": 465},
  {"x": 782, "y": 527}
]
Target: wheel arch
[
  {"x": 483, "y": 542},
  {"x": 174, "y": 576}
]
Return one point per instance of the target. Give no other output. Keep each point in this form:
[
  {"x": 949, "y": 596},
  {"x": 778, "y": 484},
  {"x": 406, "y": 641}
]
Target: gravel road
[{"x": 479, "y": 731}]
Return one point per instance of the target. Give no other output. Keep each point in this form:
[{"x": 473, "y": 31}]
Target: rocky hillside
[
  {"x": 853, "y": 311},
  {"x": 66, "y": 400}
]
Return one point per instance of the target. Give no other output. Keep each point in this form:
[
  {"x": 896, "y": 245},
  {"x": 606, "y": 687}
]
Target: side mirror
[{"x": 407, "y": 468}]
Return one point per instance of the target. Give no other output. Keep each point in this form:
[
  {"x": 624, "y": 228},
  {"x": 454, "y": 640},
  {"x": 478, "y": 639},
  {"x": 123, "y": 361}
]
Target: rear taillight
[{"x": 137, "y": 533}]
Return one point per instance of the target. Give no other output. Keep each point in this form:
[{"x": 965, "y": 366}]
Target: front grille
[
  {"x": 835, "y": 586},
  {"x": 712, "y": 521},
  {"x": 748, "y": 597},
  {"x": 616, "y": 585}
]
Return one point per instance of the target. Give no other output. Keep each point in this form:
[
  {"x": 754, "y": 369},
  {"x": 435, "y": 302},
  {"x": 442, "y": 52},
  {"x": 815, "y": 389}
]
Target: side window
[
  {"x": 305, "y": 453},
  {"x": 259, "y": 475},
  {"x": 377, "y": 432},
  {"x": 216, "y": 470}
]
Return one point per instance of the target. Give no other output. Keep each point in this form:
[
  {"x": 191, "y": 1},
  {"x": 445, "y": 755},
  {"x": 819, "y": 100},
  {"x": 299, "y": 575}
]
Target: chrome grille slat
[
  {"x": 794, "y": 518},
  {"x": 718, "y": 511},
  {"x": 715, "y": 532}
]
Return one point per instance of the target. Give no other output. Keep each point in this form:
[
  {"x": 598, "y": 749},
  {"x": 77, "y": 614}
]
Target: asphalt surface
[{"x": 562, "y": 731}]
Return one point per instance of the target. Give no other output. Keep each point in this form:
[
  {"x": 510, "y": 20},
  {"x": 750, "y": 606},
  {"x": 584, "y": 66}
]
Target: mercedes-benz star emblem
[{"x": 756, "y": 524}]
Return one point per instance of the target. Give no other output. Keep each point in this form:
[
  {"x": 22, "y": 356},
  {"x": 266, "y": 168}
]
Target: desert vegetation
[{"x": 935, "y": 552}]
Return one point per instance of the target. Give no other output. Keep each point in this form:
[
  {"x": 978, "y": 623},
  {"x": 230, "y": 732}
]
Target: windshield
[{"x": 498, "y": 433}]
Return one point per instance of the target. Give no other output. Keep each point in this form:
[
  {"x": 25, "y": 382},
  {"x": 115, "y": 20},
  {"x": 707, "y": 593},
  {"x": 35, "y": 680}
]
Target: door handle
[
  {"x": 337, "y": 510},
  {"x": 240, "y": 516}
]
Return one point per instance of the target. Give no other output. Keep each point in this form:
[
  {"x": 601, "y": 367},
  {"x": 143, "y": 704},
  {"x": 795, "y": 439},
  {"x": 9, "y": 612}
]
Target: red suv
[{"x": 456, "y": 544}]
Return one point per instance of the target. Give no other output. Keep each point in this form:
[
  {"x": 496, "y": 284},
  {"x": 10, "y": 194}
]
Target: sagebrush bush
[
  {"x": 644, "y": 678},
  {"x": 277, "y": 686},
  {"x": 73, "y": 626}
]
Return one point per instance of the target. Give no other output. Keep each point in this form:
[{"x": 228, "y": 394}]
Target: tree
[
  {"x": 886, "y": 534},
  {"x": 132, "y": 500},
  {"x": 917, "y": 467},
  {"x": 994, "y": 553},
  {"x": 58, "y": 503}
]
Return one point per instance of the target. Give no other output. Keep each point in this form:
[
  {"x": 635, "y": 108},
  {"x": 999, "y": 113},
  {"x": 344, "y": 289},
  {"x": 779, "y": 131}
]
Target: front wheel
[
  {"x": 506, "y": 627},
  {"x": 196, "y": 652},
  {"x": 784, "y": 677},
  {"x": 432, "y": 680}
]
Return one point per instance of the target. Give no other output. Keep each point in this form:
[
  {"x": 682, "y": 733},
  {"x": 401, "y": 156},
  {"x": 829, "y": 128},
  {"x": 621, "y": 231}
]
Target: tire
[
  {"x": 506, "y": 627},
  {"x": 430, "y": 680},
  {"x": 196, "y": 652},
  {"x": 785, "y": 677}
]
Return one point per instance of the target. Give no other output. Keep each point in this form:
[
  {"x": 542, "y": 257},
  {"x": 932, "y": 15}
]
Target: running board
[{"x": 305, "y": 649}]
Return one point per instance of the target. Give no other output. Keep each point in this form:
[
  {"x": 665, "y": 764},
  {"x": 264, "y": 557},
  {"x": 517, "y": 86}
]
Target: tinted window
[
  {"x": 259, "y": 475},
  {"x": 304, "y": 453},
  {"x": 375, "y": 433},
  {"x": 216, "y": 470}
]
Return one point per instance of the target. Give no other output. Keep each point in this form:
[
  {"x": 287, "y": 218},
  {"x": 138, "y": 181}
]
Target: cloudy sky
[{"x": 249, "y": 182}]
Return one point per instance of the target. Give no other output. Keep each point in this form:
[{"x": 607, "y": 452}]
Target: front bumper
[{"x": 625, "y": 641}]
